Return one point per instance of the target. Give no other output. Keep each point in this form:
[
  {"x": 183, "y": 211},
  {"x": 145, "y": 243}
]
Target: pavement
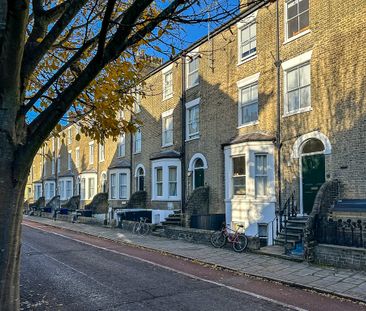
[{"x": 335, "y": 281}]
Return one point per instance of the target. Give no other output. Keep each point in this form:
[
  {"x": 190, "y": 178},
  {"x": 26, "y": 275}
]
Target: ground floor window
[
  {"x": 65, "y": 188},
  {"x": 166, "y": 180},
  {"x": 37, "y": 191},
  {"x": 119, "y": 184},
  {"x": 49, "y": 189},
  {"x": 239, "y": 175},
  {"x": 88, "y": 185}
]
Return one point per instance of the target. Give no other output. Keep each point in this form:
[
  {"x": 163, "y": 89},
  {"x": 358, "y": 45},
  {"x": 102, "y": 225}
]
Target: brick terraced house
[{"x": 261, "y": 114}]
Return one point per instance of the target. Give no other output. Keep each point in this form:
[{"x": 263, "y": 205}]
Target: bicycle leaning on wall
[
  {"x": 238, "y": 239},
  {"x": 141, "y": 227}
]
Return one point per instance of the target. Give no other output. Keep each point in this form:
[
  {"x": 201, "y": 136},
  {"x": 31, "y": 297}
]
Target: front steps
[
  {"x": 174, "y": 219},
  {"x": 294, "y": 230}
]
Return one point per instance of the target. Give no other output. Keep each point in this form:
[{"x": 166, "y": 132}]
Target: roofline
[{"x": 251, "y": 9}]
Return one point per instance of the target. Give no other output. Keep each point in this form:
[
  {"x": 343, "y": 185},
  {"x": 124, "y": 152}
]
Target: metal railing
[{"x": 346, "y": 233}]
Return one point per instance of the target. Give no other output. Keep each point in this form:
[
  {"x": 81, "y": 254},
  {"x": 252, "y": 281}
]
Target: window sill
[
  {"x": 192, "y": 138},
  {"x": 299, "y": 35},
  {"x": 302, "y": 110},
  {"x": 167, "y": 145},
  {"x": 137, "y": 152},
  {"x": 248, "y": 124},
  {"x": 167, "y": 97},
  {"x": 247, "y": 59},
  {"x": 162, "y": 199}
]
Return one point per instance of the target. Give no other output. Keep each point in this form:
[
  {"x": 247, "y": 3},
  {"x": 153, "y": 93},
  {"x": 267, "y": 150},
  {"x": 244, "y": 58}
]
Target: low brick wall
[
  {"x": 200, "y": 236},
  {"x": 64, "y": 217},
  {"x": 340, "y": 256},
  {"x": 90, "y": 220},
  {"x": 128, "y": 225}
]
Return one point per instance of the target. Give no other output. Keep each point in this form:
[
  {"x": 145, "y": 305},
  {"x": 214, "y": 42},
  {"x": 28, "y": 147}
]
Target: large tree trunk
[{"x": 11, "y": 202}]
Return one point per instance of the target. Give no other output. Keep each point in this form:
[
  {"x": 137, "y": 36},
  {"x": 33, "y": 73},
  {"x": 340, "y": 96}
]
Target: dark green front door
[
  {"x": 199, "y": 178},
  {"x": 313, "y": 176}
]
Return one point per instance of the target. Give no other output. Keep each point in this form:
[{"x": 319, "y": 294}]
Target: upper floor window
[
  {"x": 297, "y": 17},
  {"x": 69, "y": 136},
  {"x": 52, "y": 165},
  {"x": 248, "y": 100},
  {"x": 167, "y": 122},
  {"x": 77, "y": 157},
  {"x": 192, "y": 119},
  {"x": 69, "y": 160},
  {"x": 297, "y": 83},
  {"x": 137, "y": 101},
  {"x": 91, "y": 152},
  {"x": 247, "y": 38},
  {"x": 192, "y": 69},
  {"x": 101, "y": 152},
  {"x": 137, "y": 141},
  {"x": 121, "y": 146},
  {"x": 167, "y": 82}
]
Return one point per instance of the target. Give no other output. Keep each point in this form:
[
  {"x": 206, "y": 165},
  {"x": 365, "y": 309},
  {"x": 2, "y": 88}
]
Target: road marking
[{"x": 170, "y": 269}]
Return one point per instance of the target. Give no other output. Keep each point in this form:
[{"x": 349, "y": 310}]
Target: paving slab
[{"x": 341, "y": 282}]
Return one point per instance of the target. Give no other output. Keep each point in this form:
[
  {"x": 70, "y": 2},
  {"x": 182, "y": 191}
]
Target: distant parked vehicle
[{"x": 238, "y": 239}]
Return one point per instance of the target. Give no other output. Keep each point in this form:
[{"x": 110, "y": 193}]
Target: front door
[
  {"x": 199, "y": 177},
  {"x": 313, "y": 176}
]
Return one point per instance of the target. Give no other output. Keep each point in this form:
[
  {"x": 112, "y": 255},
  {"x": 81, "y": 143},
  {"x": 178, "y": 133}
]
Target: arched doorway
[
  {"x": 140, "y": 179},
  {"x": 197, "y": 167},
  {"x": 198, "y": 174},
  {"x": 312, "y": 168},
  {"x": 104, "y": 183}
]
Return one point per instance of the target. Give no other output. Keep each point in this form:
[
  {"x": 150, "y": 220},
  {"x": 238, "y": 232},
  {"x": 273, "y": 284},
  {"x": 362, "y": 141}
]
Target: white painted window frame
[
  {"x": 289, "y": 65},
  {"x": 246, "y": 22},
  {"x": 193, "y": 55},
  {"x": 117, "y": 172},
  {"x": 192, "y": 104},
  {"x": 91, "y": 152},
  {"x": 165, "y": 164},
  {"x": 301, "y": 33},
  {"x": 242, "y": 84},
  {"x": 121, "y": 151},
  {"x": 165, "y": 72},
  {"x": 164, "y": 116},
  {"x": 137, "y": 141}
]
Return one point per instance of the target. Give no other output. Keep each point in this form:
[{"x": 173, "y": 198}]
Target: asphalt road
[{"x": 59, "y": 273}]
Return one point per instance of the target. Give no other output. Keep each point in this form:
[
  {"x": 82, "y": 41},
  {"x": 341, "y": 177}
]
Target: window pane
[
  {"x": 239, "y": 166},
  {"x": 292, "y": 9},
  {"x": 159, "y": 190},
  {"x": 198, "y": 163},
  {"x": 253, "y": 30},
  {"x": 245, "y": 95},
  {"x": 249, "y": 113},
  {"x": 293, "y": 27},
  {"x": 305, "y": 97},
  {"x": 239, "y": 185},
  {"x": 261, "y": 185},
  {"x": 172, "y": 174},
  {"x": 304, "y": 73},
  {"x": 303, "y": 5},
  {"x": 172, "y": 189},
  {"x": 304, "y": 20},
  {"x": 293, "y": 79},
  {"x": 159, "y": 174},
  {"x": 293, "y": 100}
]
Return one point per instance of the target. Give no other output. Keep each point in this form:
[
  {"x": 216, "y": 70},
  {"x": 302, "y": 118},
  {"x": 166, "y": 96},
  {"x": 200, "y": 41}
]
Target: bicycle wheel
[
  {"x": 218, "y": 239},
  {"x": 136, "y": 228},
  {"x": 145, "y": 228},
  {"x": 240, "y": 243}
]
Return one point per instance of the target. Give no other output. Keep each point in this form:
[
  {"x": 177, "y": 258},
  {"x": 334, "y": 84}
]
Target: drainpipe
[
  {"x": 183, "y": 128},
  {"x": 131, "y": 155},
  {"x": 278, "y": 114}
]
